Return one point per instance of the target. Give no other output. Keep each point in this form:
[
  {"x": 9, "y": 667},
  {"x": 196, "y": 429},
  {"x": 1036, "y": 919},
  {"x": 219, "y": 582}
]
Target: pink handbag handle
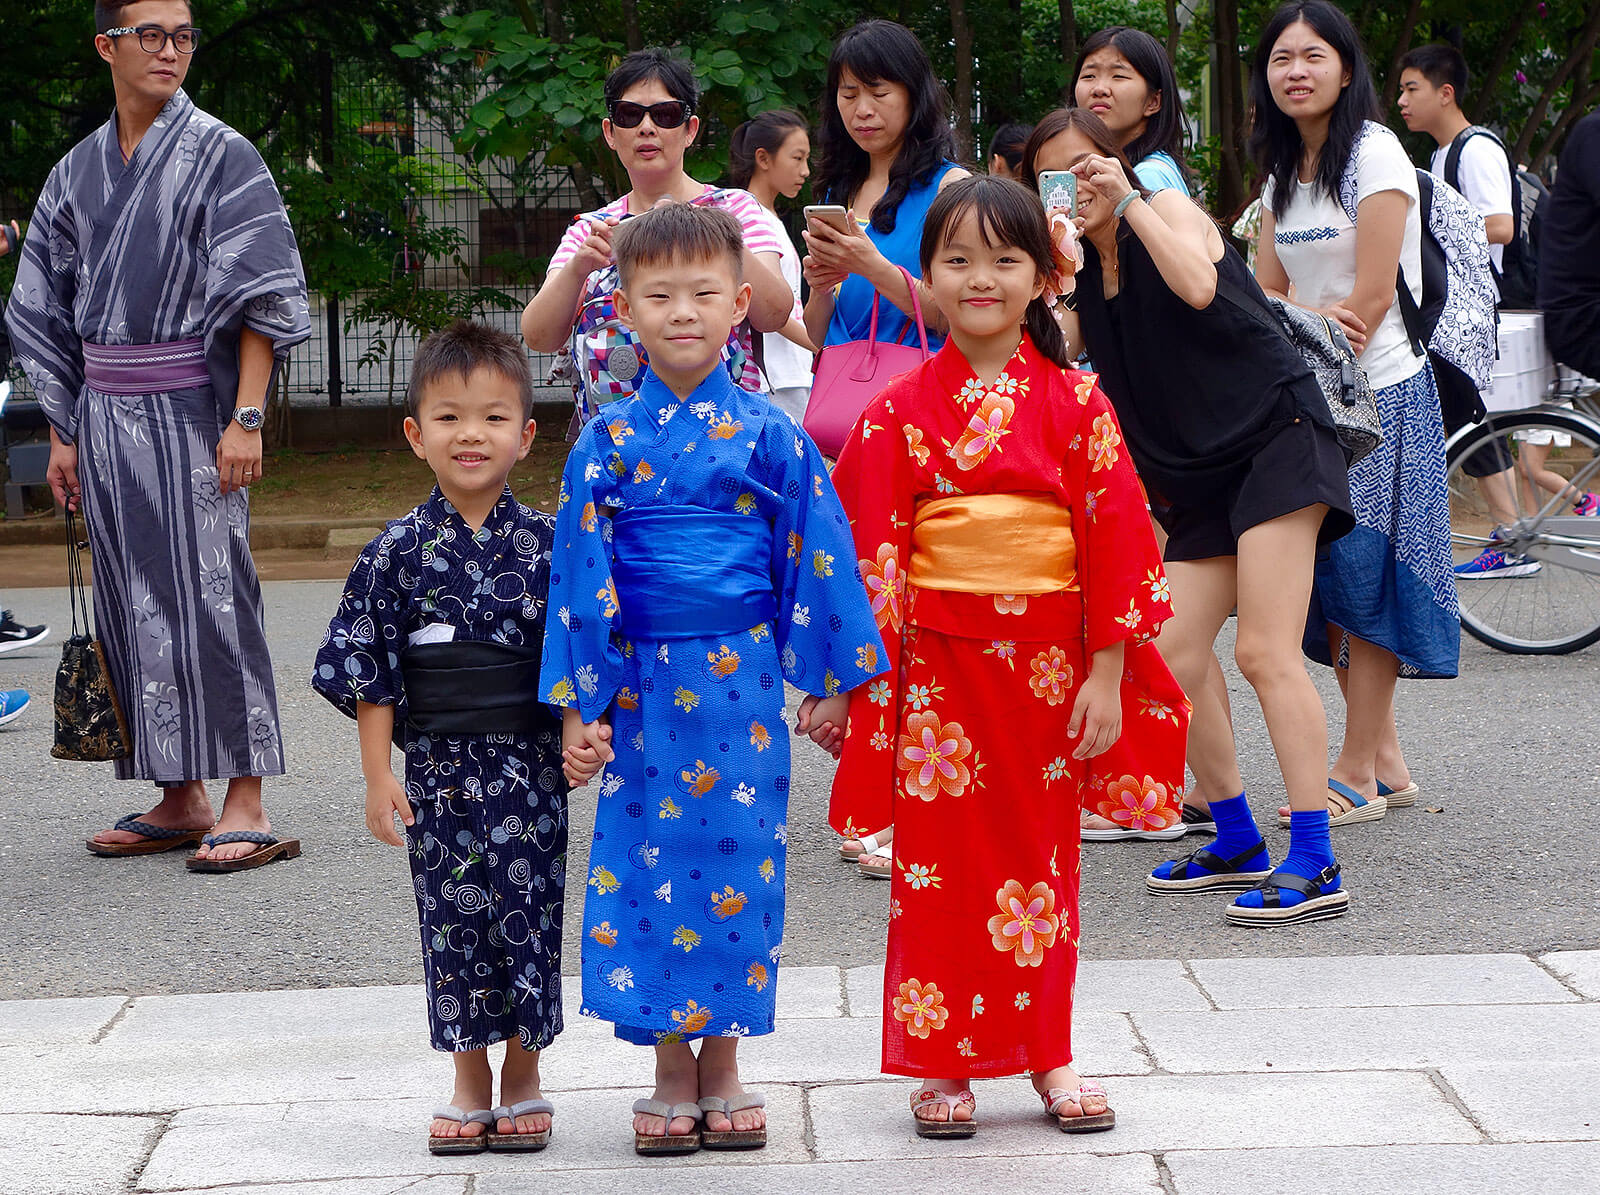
[{"x": 916, "y": 307}]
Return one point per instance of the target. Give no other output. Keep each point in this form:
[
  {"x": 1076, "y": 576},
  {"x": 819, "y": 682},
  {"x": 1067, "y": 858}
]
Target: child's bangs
[{"x": 1004, "y": 220}]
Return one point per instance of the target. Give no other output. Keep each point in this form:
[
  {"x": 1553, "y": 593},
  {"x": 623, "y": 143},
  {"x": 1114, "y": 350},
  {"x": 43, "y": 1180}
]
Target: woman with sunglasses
[
  {"x": 886, "y": 150},
  {"x": 650, "y": 124}
]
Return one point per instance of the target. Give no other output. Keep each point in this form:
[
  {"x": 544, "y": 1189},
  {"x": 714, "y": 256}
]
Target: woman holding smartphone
[
  {"x": 1385, "y": 598},
  {"x": 1125, "y": 78},
  {"x": 886, "y": 149},
  {"x": 1234, "y": 443}
]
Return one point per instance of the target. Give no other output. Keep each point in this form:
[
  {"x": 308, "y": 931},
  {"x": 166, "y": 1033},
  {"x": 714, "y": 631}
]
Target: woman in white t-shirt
[
  {"x": 769, "y": 156},
  {"x": 1385, "y": 602}
]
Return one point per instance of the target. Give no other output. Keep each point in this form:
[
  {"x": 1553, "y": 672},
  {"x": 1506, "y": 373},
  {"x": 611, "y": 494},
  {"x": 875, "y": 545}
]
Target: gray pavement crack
[
  {"x": 116, "y": 1019},
  {"x": 808, "y": 1130},
  {"x": 1557, "y": 976},
  {"x": 1143, "y": 1046},
  {"x": 163, "y": 1123},
  {"x": 1189, "y": 974},
  {"x": 1164, "y": 1174},
  {"x": 1460, "y": 1105}
]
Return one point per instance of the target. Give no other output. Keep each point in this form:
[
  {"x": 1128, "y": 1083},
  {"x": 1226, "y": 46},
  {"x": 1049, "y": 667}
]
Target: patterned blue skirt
[{"x": 1390, "y": 581}]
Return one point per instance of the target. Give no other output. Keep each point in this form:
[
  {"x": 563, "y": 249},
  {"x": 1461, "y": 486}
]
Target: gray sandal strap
[
  {"x": 670, "y": 1112},
  {"x": 144, "y": 829},
  {"x": 483, "y": 1116},
  {"x": 525, "y": 1108},
  {"x": 743, "y": 1103},
  {"x": 255, "y": 836}
]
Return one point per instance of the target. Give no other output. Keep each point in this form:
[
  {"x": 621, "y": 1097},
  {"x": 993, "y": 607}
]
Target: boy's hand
[
  {"x": 585, "y": 747},
  {"x": 824, "y": 718},
  {"x": 1097, "y": 713},
  {"x": 386, "y": 796}
]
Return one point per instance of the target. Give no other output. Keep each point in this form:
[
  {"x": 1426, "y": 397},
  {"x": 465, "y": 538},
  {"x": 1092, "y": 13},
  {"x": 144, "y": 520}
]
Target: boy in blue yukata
[
  {"x": 435, "y": 647},
  {"x": 701, "y": 560}
]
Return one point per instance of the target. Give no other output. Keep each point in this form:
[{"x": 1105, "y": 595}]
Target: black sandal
[
  {"x": 1317, "y": 906},
  {"x": 1221, "y": 875}
]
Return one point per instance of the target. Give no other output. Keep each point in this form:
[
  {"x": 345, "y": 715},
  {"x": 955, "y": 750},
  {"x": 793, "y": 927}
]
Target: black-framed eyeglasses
[
  {"x": 153, "y": 38},
  {"x": 668, "y": 114}
]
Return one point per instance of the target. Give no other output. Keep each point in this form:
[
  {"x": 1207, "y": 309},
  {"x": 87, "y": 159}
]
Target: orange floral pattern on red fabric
[
  {"x": 1026, "y": 923},
  {"x": 1104, "y": 442},
  {"x": 1139, "y": 804},
  {"x": 886, "y": 587},
  {"x": 933, "y": 756},
  {"x": 1052, "y": 675},
  {"x": 983, "y": 432},
  {"x": 920, "y": 1008}
]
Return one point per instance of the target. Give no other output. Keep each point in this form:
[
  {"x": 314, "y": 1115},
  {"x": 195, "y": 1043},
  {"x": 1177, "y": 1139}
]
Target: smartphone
[
  {"x": 831, "y": 214},
  {"x": 1059, "y": 189}
]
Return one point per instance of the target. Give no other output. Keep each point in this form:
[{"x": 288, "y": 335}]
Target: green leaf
[
  {"x": 567, "y": 117},
  {"x": 730, "y": 76},
  {"x": 764, "y": 20},
  {"x": 519, "y": 107}
]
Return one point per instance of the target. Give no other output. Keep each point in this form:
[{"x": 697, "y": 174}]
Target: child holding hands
[
  {"x": 1013, "y": 572},
  {"x": 701, "y": 561},
  {"x": 435, "y": 648}
]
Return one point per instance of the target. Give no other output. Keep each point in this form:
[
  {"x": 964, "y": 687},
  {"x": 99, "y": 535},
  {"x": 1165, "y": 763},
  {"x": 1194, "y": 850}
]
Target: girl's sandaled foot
[
  {"x": 733, "y": 1137},
  {"x": 456, "y": 1132},
  {"x": 523, "y": 1133},
  {"x": 851, "y": 849},
  {"x": 877, "y": 864},
  {"x": 1313, "y": 898},
  {"x": 670, "y": 1137},
  {"x": 938, "y": 1113},
  {"x": 1346, "y": 806},
  {"x": 1082, "y": 1111},
  {"x": 1206, "y": 871}
]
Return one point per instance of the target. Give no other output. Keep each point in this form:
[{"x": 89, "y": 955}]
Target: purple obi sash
[{"x": 135, "y": 369}]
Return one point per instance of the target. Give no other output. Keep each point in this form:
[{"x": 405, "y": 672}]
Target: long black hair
[
  {"x": 1008, "y": 214},
  {"x": 1163, "y": 132},
  {"x": 767, "y": 131},
  {"x": 1275, "y": 141},
  {"x": 883, "y": 52}
]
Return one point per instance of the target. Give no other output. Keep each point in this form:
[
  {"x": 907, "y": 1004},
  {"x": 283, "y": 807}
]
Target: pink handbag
[{"x": 848, "y": 376}]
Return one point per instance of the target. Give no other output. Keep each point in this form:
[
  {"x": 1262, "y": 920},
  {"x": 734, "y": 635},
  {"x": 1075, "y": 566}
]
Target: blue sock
[
  {"x": 1310, "y": 851},
  {"x": 1236, "y": 833}
]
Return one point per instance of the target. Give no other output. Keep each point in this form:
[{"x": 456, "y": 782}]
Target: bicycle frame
[{"x": 1565, "y": 540}]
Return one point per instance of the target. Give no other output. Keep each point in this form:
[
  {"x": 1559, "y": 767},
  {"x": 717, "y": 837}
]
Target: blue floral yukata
[
  {"x": 488, "y": 847},
  {"x": 701, "y": 560}
]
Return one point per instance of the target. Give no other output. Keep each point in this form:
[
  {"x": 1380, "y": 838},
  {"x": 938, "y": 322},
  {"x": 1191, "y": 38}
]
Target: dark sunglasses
[{"x": 668, "y": 114}]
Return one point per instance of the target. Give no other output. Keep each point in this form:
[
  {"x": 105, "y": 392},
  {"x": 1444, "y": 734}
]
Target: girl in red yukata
[{"x": 1015, "y": 579}]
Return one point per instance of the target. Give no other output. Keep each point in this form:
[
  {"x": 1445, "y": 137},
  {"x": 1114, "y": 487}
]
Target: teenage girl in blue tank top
[
  {"x": 1125, "y": 78},
  {"x": 886, "y": 149}
]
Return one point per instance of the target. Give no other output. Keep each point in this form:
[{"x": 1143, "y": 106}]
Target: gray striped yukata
[{"x": 187, "y": 241}]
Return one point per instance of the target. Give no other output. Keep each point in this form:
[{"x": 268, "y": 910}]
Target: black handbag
[{"x": 89, "y": 721}]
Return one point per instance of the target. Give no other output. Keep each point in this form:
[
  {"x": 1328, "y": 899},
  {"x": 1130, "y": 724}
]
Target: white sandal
[
  {"x": 877, "y": 864},
  {"x": 864, "y": 845},
  {"x": 1058, "y": 1098},
  {"x": 950, "y": 1127}
]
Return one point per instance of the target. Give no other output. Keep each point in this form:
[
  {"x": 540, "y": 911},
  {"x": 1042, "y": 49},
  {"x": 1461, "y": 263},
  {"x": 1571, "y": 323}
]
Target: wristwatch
[{"x": 249, "y": 418}]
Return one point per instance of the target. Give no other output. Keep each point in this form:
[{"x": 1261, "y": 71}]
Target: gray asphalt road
[{"x": 1506, "y": 755}]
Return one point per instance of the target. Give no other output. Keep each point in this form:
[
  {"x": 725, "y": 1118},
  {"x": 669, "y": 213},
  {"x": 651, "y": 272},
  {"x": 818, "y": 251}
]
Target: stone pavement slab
[
  {"x": 1377, "y": 980},
  {"x": 410, "y": 1184},
  {"x": 56, "y": 1022},
  {"x": 1113, "y": 985},
  {"x": 1225, "y": 1112},
  {"x": 375, "y": 1138},
  {"x": 72, "y": 1155},
  {"x": 1371, "y": 1038},
  {"x": 810, "y": 992},
  {"x": 1580, "y": 968},
  {"x": 317, "y": 1014},
  {"x": 1554, "y": 1101},
  {"x": 1132, "y": 1174},
  {"x": 1458, "y": 1169}
]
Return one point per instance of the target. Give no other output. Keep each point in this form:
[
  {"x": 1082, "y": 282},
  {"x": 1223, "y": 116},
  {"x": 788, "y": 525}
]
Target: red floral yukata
[{"x": 957, "y": 491}]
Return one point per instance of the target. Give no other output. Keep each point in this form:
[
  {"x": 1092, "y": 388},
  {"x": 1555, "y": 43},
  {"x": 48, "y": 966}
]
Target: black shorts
[{"x": 1299, "y": 467}]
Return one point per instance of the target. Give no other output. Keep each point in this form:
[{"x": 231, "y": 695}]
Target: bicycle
[{"x": 1551, "y": 607}]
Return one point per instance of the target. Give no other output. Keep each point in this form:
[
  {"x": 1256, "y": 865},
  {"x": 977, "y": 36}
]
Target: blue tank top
[{"x": 852, "y": 306}]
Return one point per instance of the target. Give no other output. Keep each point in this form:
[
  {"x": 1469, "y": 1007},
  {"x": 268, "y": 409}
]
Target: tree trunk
[
  {"x": 1490, "y": 79},
  {"x": 1582, "y": 50},
  {"x": 1228, "y": 90},
  {"x": 555, "y": 19},
  {"x": 1069, "y": 48},
  {"x": 630, "y": 22},
  {"x": 961, "y": 33},
  {"x": 1581, "y": 103},
  {"x": 1174, "y": 30},
  {"x": 1389, "y": 85},
  {"x": 1017, "y": 29}
]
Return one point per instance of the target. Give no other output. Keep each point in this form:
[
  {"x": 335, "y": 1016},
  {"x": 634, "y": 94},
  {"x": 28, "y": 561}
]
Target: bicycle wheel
[{"x": 1528, "y": 569}]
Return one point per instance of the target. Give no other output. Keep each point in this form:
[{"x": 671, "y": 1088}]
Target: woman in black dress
[{"x": 1235, "y": 445}]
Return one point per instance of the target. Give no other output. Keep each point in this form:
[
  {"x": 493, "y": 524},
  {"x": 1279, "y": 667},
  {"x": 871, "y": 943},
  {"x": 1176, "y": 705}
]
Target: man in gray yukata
[{"x": 159, "y": 290}]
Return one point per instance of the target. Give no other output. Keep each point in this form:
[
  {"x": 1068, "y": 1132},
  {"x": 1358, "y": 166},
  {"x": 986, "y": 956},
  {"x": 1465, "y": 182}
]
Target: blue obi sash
[{"x": 684, "y": 572}]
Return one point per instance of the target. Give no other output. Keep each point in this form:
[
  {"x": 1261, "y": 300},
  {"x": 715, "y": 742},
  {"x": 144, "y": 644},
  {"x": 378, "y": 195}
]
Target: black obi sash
[{"x": 474, "y": 687}]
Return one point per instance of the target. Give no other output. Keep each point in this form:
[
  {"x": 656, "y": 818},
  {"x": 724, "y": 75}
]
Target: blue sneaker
[
  {"x": 1492, "y": 563},
  {"x": 12, "y": 703}
]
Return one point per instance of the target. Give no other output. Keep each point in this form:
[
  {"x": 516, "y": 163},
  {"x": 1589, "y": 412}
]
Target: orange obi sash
[{"x": 993, "y": 543}]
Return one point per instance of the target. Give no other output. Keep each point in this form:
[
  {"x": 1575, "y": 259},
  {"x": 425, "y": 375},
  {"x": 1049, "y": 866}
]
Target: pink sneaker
[{"x": 1589, "y": 505}]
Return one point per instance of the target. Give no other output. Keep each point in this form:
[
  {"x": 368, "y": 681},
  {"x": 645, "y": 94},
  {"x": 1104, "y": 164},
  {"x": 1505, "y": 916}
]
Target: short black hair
[
  {"x": 673, "y": 73},
  {"x": 678, "y": 231},
  {"x": 108, "y": 13},
  {"x": 463, "y": 347},
  {"x": 1008, "y": 141},
  {"x": 1439, "y": 64}
]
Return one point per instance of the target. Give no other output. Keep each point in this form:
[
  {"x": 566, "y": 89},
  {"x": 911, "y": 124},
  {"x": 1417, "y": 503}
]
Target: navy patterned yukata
[
  {"x": 488, "y": 848},
  {"x": 702, "y": 559}
]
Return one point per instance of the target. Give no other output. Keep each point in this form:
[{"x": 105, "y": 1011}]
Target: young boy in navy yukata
[
  {"x": 435, "y": 647},
  {"x": 702, "y": 559}
]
